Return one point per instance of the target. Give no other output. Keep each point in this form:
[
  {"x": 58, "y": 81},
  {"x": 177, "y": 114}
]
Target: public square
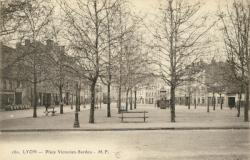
[
  {"x": 217, "y": 135},
  {"x": 124, "y": 80},
  {"x": 158, "y": 119}
]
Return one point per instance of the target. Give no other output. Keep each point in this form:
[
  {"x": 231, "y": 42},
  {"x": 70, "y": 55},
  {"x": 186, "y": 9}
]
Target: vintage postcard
[{"x": 124, "y": 80}]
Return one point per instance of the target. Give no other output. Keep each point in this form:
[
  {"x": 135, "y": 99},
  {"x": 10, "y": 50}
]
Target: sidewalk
[{"x": 159, "y": 119}]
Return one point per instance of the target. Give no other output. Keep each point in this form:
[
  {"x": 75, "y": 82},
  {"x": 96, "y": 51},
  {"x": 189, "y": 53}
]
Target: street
[{"x": 128, "y": 145}]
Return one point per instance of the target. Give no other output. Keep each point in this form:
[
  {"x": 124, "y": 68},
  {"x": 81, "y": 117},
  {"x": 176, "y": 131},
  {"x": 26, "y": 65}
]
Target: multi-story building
[
  {"x": 208, "y": 87},
  {"x": 9, "y": 88},
  {"x": 150, "y": 93},
  {"x": 17, "y": 89}
]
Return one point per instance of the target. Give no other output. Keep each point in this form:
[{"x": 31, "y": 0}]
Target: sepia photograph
[{"x": 124, "y": 79}]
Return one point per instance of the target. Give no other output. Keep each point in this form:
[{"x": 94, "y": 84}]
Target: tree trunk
[
  {"x": 213, "y": 101},
  {"x": 246, "y": 107},
  {"x": 185, "y": 100},
  {"x": 239, "y": 103},
  {"x": 195, "y": 103},
  {"x": 119, "y": 99},
  {"x": 34, "y": 99},
  {"x": 108, "y": 103},
  {"x": 120, "y": 61},
  {"x": 131, "y": 99},
  {"x": 100, "y": 100},
  {"x": 220, "y": 102},
  {"x": 127, "y": 99},
  {"x": 72, "y": 97},
  {"x": 189, "y": 96},
  {"x": 84, "y": 100},
  {"x": 109, "y": 64},
  {"x": 208, "y": 104},
  {"x": 135, "y": 92},
  {"x": 35, "y": 85},
  {"x": 172, "y": 103},
  {"x": 92, "y": 105},
  {"x": 61, "y": 99}
]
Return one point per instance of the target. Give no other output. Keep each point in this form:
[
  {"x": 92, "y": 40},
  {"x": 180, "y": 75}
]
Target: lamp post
[{"x": 76, "y": 122}]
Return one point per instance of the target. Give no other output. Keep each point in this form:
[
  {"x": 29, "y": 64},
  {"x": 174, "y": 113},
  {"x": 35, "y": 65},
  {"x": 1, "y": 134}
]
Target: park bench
[
  {"x": 50, "y": 109},
  {"x": 134, "y": 115}
]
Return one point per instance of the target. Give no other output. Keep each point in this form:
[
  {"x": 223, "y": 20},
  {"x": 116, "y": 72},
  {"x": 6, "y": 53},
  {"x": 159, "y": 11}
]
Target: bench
[
  {"x": 50, "y": 110},
  {"x": 134, "y": 115}
]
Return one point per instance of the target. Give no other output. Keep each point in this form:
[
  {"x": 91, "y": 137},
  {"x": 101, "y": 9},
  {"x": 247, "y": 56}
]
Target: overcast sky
[{"x": 150, "y": 7}]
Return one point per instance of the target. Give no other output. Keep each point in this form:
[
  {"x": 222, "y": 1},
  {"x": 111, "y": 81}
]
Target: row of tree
[
  {"x": 181, "y": 39},
  {"x": 102, "y": 42}
]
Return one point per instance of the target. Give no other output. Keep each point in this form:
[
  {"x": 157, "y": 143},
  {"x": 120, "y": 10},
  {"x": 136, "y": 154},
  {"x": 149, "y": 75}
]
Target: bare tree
[
  {"x": 215, "y": 79},
  {"x": 37, "y": 16},
  {"x": 12, "y": 19},
  {"x": 178, "y": 40},
  {"x": 87, "y": 40},
  {"x": 236, "y": 30},
  {"x": 11, "y": 16},
  {"x": 136, "y": 66},
  {"x": 58, "y": 61},
  {"x": 112, "y": 35},
  {"x": 127, "y": 26}
]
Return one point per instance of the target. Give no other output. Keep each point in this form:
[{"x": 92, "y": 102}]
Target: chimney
[
  {"x": 27, "y": 42},
  {"x": 49, "y": 43}
]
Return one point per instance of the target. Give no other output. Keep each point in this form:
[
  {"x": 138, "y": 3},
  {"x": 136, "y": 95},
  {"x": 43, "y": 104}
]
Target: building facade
[
  {"x": 16, "y": 89},
  {"x": 210, "y": 87}
]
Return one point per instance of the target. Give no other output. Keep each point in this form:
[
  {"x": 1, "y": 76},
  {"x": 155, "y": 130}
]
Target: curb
[{"x": 124, "y": 129}]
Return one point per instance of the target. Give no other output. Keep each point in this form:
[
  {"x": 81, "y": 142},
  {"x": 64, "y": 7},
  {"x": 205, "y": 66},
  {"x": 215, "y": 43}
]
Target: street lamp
[{"x": 76, "y": 122}]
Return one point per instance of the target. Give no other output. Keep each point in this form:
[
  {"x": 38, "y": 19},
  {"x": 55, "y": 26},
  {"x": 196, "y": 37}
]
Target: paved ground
[
  {"x": 127, "y": 145},
  {"x": 4, "y": 115},
  {"x": 158, "y": 118},
  {"x": 199, "y": 135}
]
